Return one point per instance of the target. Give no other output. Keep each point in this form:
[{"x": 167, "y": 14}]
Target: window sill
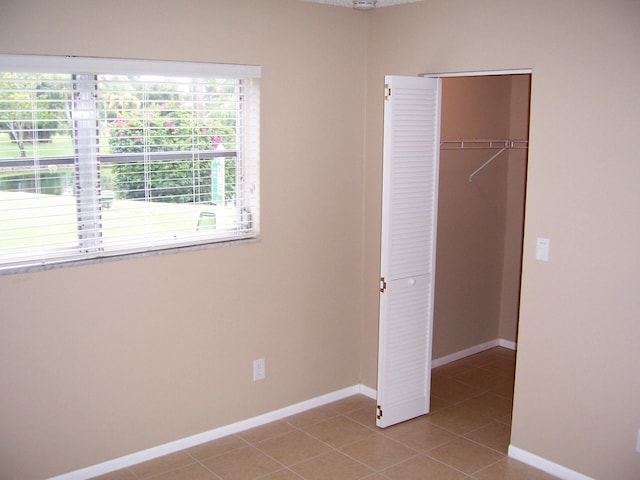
[{"x": 125, "y": 256}]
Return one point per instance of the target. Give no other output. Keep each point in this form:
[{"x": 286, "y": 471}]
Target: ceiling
[{"x": 349, "y": 3}]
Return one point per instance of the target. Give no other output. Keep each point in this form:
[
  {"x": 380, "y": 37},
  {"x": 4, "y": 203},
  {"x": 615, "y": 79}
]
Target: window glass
[{"x": 95, "y": 165}]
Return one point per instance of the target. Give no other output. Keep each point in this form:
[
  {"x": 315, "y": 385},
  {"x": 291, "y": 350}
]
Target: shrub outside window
[{"x": 104, "y": 157}]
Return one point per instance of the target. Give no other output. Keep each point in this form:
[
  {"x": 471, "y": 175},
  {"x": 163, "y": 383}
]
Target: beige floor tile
[
  {"x": 419, "y": 434},
  {"x": 481, "y": 379},
  {"x": 378, "y": 452},
  {"x": 350, "y": 404},
  {"x": 293, "y": 447},
  {"x": 501, "y": 366},
  {"x": 482, "y": 358},
  {"x": 190, "y": 472},
  {"x": 284, "y": 474},
  {"x": 504, "y": 388},
  {"x": 508, "y": 469},
  {"x": 478, "y": 359},
  {"x": 216, "y": 447},
  {"x": 241, "y": 464},
  {"x": 451, "y": 390},
  {"x": 452, "y": 369},
  {"x": 490, "y": 405},
  {"x": 495, "y": 435},
  {"x": 437, "y": 403},
  {"x": 338, "y": 431},
  {"x": 117, "y": 475},
  {"x": 265, "y": 432},
  {"x": 457, "y": 419},
  {"x": 331, "y": 466},
  {"x": 465, "y": 455},
  {"x": 422, "y": 468},
  {"x": 505, "y": 353},
  {"x": 162, "y": 464},
  {"x": 506, "y": 419},
  {"x": 304, "y": 419},
  {"x": 365, "y": 416}
]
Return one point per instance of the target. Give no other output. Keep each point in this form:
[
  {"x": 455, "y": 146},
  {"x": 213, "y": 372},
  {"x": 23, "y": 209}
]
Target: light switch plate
[{"x": 542, "y": 249}]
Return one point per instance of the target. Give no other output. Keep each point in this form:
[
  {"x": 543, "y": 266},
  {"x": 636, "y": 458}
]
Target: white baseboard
[
  {"x": 175, "y": 446},
  {"x": 368, "y": 391},
  {"x": 507, "y": 344},
  {"x": 545, "y": 465},
  {"x": 498, "y": 342}
]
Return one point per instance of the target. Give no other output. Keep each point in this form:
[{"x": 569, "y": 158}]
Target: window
[{"x": 103, "y": 157}]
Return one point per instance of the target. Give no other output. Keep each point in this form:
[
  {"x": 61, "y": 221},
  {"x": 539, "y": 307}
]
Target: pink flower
[{"x": 170, "y": 124}]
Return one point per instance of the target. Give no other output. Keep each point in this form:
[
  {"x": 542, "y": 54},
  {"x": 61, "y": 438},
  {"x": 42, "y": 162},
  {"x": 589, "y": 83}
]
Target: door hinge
[
  {"x": 379, "y": 414},
  {"x": 387, "y": 91},
  {"x": 383, "y": 285}
]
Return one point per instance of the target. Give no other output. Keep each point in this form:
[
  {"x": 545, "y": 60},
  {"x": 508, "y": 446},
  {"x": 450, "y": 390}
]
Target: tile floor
[{"x": 465, "y": 436}]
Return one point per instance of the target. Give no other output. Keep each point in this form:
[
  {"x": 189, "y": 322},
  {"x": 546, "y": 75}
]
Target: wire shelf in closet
[{"x": 484, "y": 145}]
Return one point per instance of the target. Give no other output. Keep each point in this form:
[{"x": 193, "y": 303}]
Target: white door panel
[{"x": 410, "y": 176}]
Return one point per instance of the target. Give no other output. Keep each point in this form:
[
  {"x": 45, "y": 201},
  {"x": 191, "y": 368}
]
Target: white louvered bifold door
[{"x": 410, "y": 192}]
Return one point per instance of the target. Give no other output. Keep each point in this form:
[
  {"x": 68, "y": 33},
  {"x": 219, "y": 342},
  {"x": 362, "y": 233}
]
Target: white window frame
[{"x": 84, "y": 68}]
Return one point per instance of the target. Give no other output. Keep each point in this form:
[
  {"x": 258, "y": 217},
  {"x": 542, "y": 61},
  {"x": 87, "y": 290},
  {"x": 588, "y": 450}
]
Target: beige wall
[
  {"x": 104, "y": 360},
  {"x": 577, "y": 391}
]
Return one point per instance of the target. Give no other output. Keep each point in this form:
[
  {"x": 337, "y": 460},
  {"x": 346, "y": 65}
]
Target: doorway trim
[{"x": 479, "y": 73}]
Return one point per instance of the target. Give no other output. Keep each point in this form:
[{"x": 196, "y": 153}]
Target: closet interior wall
[{"x": 480, "y": 223}]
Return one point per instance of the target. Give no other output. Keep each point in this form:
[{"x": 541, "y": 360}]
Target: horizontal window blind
[{"x": 100, "y": 164}]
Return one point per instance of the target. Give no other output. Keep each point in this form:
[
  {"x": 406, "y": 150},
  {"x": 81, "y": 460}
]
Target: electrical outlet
[{"x": 259, "y": 371}]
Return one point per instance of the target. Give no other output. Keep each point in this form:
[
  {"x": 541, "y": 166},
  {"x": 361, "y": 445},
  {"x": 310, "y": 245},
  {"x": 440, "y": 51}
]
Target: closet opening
[
  {"x": 481, "y": 202},
  {"x": 481, "y": 197},
  {"x": 454, "y": 183}
]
